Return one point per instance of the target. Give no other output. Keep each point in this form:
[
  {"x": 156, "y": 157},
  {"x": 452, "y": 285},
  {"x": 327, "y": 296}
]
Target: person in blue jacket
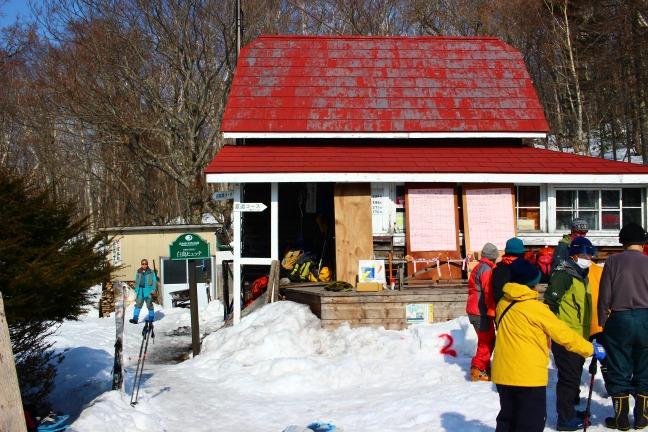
[{"x": 146, "y": 290}]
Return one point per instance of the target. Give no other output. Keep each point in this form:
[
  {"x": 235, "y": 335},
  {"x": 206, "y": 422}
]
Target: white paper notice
[
  {"x": 432, "y": 225},
  {"x": 490, "y": 217}
]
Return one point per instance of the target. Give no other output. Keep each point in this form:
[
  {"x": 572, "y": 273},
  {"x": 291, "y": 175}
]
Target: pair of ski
[{"x": 147, "y": 334}]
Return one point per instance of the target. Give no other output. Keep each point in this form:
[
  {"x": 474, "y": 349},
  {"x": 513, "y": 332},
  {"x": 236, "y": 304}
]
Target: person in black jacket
[
  {"x": 623, "y": 294},
  {"x": 579, "y": 228},
  {"x": 501, "y": 274}
]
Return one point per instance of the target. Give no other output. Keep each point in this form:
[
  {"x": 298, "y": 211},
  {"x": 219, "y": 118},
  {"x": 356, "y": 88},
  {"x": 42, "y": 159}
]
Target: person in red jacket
[{"x": 480, "y": 308}]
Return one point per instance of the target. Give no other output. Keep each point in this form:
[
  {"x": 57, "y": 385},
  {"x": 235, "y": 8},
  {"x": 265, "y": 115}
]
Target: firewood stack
[{"x": 107, "y": 302}]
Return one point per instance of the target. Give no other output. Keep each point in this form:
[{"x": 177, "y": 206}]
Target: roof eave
[
  {"x": 350, "y": 177},
  {"x": 398, "y": 135}
]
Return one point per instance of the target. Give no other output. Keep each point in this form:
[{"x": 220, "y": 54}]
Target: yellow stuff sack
[{"x": 324, "y": 274}]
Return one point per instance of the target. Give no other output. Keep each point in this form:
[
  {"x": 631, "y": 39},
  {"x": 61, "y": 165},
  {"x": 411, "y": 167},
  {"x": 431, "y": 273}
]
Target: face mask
[{"x": 583, "y": 263}]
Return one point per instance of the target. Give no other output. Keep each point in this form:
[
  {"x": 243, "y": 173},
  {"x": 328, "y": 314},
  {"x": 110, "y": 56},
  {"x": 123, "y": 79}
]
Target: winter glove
[{"x": 599, "y": 351}]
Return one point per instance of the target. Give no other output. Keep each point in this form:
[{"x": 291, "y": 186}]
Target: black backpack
[
  {"x": 500, "y": 276},
  {"x": 303, "y": 268}
]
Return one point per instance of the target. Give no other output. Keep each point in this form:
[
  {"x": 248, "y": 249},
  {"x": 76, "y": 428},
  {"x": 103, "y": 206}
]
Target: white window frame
[
  {"x": 552, "y": 207},
  {"x": 542, "y": 204}
]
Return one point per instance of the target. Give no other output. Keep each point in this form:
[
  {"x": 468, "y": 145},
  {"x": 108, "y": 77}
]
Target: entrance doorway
[{"x": 175, "y": 278}]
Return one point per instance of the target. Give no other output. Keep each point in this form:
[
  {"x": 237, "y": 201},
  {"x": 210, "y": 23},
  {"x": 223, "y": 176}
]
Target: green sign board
[{"x": 189, "y": 246}]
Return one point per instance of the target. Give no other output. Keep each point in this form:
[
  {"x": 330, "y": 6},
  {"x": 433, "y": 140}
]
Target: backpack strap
[{"x": 504, "y": 313}]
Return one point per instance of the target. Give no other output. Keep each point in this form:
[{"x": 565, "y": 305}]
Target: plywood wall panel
[{"x": 353, "y": 235}]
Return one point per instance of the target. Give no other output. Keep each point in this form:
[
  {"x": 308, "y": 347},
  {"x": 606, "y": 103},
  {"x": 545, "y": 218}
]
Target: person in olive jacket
[
  {"x": 521, "y": 353},
  {"x": 569, "y": 297}
]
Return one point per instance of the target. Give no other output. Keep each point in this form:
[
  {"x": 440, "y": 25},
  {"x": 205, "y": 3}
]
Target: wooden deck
[{"x": 379, "y": 309}]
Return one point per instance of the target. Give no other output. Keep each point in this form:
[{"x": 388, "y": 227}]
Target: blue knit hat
[
  {"x": 514, "y": 246},
  {"x": 581, "y": 245},
  {"x": 525, "y": 273}
]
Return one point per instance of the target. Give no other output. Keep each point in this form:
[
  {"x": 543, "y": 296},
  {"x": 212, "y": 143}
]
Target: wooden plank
[
  {"x": 372, "y": 311},
  {"x": 353, "y": 228},
  {"x": 13, "y": 417}
]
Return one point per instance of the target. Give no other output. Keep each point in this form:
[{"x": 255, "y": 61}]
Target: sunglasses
[{"x": 145, "y": 264}]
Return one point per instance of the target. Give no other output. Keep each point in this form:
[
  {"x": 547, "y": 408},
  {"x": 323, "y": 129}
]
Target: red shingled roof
[
  {"x": 257, "y": 159},
  {"x": 345, "y": 85}
]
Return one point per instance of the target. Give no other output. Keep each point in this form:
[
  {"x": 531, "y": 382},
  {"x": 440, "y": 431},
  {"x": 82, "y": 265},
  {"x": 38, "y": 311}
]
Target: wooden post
[
  {"x": 272, "y": 291},
  {"x": 13, "y": 417},
  {"x": 193, "y": 296}
]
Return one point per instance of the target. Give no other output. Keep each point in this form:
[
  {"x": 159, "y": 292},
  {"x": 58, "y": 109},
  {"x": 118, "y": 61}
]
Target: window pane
[
  {"x": 175, "y": 272},
  {"x": 565, "y": 198},
  {"x": 528, "y": 196},
  {"x": 563, "y": 220},
  {"x": 610, "y": 199},
  {"x": 611, "y": 220},
  {"x": 631, "y": 197},
  {"x": 588, "y": 199},
  {"x": 632, "y": 215},
  {"x": 200, "y": 274},
  {"x": 528, "y": 220},
  {"x": 592, "y": 218}
]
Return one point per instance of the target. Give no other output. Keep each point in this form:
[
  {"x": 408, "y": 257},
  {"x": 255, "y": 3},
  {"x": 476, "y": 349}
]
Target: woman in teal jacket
[{"x": 146, "y": 289}]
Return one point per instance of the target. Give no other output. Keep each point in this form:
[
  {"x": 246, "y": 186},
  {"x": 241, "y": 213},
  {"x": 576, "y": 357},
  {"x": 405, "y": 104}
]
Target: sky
[
  {"x": 12, "y": 9},
  {"x": 278, "y": 370}
]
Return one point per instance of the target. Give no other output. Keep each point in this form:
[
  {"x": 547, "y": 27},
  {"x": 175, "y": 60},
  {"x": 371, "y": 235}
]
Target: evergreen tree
[{"x": 48, "y": 262}]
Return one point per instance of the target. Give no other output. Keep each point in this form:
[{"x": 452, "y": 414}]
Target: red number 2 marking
[{"x": 447, "y": 349}]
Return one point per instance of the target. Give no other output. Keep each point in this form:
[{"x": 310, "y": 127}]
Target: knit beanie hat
[
  {"x": 514, "y": 246},
  {"x": 525, "y": 273},
  {"x": 632, "y": 233},
  {"x": 581, "y": 245},
  {"x": 579, "y": 224},
  {"x": 490, "y": 251}
]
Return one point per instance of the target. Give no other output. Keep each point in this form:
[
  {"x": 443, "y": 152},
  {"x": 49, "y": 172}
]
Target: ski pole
[
  {"x": 139, "y": 383},
  {"x": 592, "y": 371},
  {"x": 139, "y": 360}
]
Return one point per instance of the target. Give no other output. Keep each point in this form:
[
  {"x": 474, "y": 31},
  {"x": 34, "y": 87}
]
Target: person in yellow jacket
[{"x": 521, "y": 356}]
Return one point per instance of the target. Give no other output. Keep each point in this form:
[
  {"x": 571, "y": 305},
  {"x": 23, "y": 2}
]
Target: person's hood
[
  {"x": 518, "y": 292},
  {"x": 570, "y": 266},
  {"x": 508, "y": 259}
]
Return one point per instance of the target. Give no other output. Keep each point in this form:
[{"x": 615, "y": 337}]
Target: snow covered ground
[{"x": 279, "y": 368}]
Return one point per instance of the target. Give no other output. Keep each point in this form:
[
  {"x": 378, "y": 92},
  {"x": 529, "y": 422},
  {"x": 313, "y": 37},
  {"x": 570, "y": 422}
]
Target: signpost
[
  {"x": 191, "y": 247},
  {"x": 223, "y": 195},
  {"x": 249, "y": 207}
]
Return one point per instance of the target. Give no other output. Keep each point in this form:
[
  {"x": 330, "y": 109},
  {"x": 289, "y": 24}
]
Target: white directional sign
[
  {"x": 249, "y": 207},
  {"x": 223, "y": 195}
]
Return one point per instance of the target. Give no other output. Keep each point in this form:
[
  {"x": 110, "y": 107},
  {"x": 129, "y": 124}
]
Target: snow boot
[
  {"x": 574, "y": 424},
  {"x": 477, "y": 374},
  {"x": 640, "y": 414},
  {"x": 621, "y": 405},
  {"x": 136, "y": 312}
]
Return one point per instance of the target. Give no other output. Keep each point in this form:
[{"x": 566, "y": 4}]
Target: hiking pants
[
  {"x": 485, "y": 329},
  {"x": 570, "y": 369},
  {"x": 626, "y": 337},
  {"x": 522, "y": 409}
]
